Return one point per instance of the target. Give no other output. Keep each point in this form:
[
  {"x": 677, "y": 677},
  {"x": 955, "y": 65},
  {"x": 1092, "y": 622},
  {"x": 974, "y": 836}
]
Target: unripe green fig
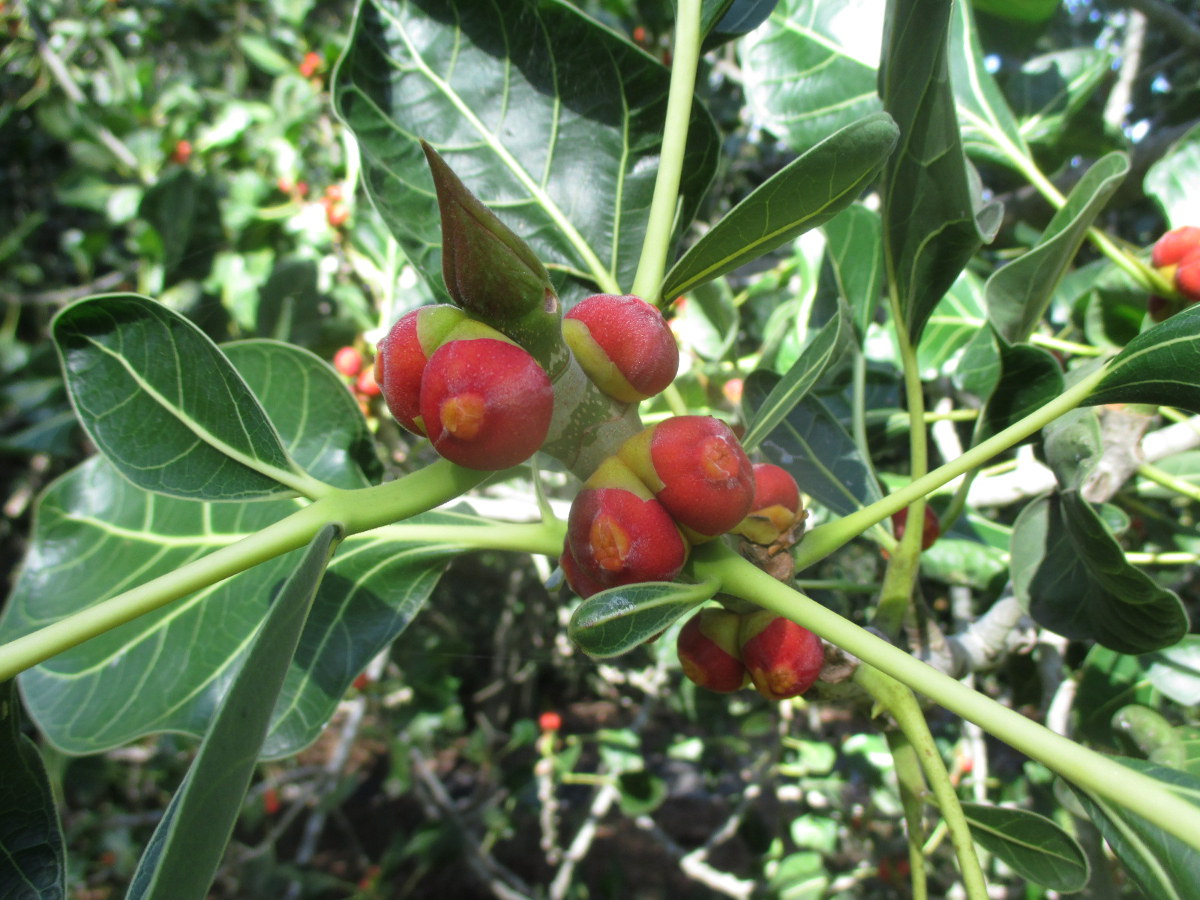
[
  {"x": 623, "y": 344},
  {"x": 696, "y": 468},
  {"x": 708, "y": 651},
  {"x": 782, "y": 658}
]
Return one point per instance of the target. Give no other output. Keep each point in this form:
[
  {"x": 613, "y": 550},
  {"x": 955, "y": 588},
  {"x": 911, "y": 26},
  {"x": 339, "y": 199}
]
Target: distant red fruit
[
  {"x": 1187, "y": 277},
  {"x": 348, "y": 361},
  {"x": 311, "y": 64},
  {"x": 367, "y": 385},
  {"x": 550, "y": 721},
  {"x": 1176, "y": 244},
  {"x": 336, "y": 214},
  {"x": 182, "y": 152},
  {"x": 930, "y": 531},
  {"x": 270, "y": 801}
]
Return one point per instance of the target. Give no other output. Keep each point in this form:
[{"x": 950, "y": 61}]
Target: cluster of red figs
[
  {"x": 1176, "y": 255},
  {"x": 352, "y": 365}
]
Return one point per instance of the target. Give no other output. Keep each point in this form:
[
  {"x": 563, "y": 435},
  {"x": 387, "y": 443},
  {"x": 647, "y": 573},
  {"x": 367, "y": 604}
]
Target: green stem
[
  {"x": 355, "y": 511},
  {"x": 1089, "y": 770},
  {"x": 912, "y": 799},
  {"x": 647, "y": 283},
  {"x": 903, "y": 706},
  {"x": 1169, "y": 481},
  {"x": 858, "y": 423},
  {"x": 825, "y": 539}
]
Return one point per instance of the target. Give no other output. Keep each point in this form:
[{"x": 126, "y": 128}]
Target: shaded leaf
[
  {"x": 1028, "y": 378},
  {"x": 804, "y": 194},
  {"x": 32, "y": 856},
  {"x": 1109, "y": 680},
  {"x": 1030, "y": 844},
  {"x": 1174, "y": 180},
  {"x": 615, "y": 621},
  {"x": 1072, "y": 577},
  {"x": 188, "y": 844},
  {"x": 1049, "y": 89},
  {"x": 854, "y": 242},
  {"x": 1176, "y": 670},
  {"x": 552, "y": 120},
  {"x": 1160, "y": 366},
  {"x": 162, "y": 402}
]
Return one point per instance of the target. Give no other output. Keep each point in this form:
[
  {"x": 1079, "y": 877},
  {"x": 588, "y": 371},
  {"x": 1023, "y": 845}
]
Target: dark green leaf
[
  {"x": 1176, "y": 670},
  {"x": 187, "y": 846},
  {"x": 1162, "y": 865},
  {"x": 552, "y": 120},
  {"x": 163, "y": 403},
  {"x": 933, "y": 221},
  {"x": 1034, "y": 11},
  {"x": 615, "y": 621},
  {"x": 1174, "y": 181},
  {"x": 1161, "y": 366},
  {"x": 32, "y": 857},
  {"x": 854, "y": 241},
  {"x": 1049, "y": 89},
  {"x": 807, "y": 192},
  {"x": 1031, "y": 845},
  {"x": 1018, "y": 293},
  {"x": 1072, "y": 577},
  {"x": 795, "y": 384},
  {"x": 815, "y": 448},
  {"x": 1029, "y": 377},
  {"x": 1149, "y": 733},
  {"x": 1109, "y": 681}
]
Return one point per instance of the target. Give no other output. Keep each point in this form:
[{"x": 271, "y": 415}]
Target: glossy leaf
[
  {"x": 1030, "y": 844},
  {"x": 1160, "y": 366},
  {"x": 168, "y": 670},
  {"x": 810, "y": 69},
  {"x": 812, "y": 445},
  {"x": 795, "y": 384},
  {"x": 1071, "y": 575},
  {"x": 552, "y": 120},
  {"x": 188, "y": 844},
  {"x": 933, "y": 219},
  {"x": 615, "y": 621},
  {"x": 32, "y": 856},
  {"x": 1161, "y": 864},
  {"x": 854, "y": 242},
  {"x": 1176, "y": 670},
  {"x": 726, "y": 19},
  {"x": 162, "y": 402},
  {"x": 807, "y": 192},
  {"x": 1019, "y": 293},
  {"x": 1174, "y": 180}
]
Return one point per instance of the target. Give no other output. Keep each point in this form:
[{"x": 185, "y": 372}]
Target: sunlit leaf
[
  {"x": 1174, "y": 180},
  {"x": 1161, "y": 366},
  {"x": 615, "y": 621},
  {"x": 1176, "y": 670},
  {"x": 1108, "y": 680},
  {"x": 1030, "y": 844}
]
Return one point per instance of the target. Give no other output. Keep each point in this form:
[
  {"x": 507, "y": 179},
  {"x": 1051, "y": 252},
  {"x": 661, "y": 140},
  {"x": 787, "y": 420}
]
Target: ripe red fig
[
  {"x": 697, "y": 469},
  {"x": 403, "y": 355},
  {"x": 617, "y": 533},
  {"x": 776, "y": 507},
  {"x": 1173, "y": 246},
  {"x": 485, "y": 403},
  {"x": 348, "y": 361},
  {"x": 931, "y": 529},
  {"x": 623, "y": 344},
  {"x": 1187, "y": 277},
  {"x": 782, "y": 658},
  {"x": 708, "y": 650}
]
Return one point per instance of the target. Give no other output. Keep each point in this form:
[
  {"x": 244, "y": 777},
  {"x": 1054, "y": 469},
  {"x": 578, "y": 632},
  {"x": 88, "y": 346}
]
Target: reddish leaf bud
[
  {"x": 617, "y": 533},
  {"x": 931, "y": 529},
  {"x": 1175, "y": 245},
  {"x": 1187, "y": 277},
  {"x": 485, "y": 403},
  {"x": 697, "y": 469},
  {"x": 708, "y": 650},
  {"x": 776, "y": 506},
  {"x": 403, "y": 355},
  {"x": 782, "y": 658},
  {"x": 348, "y": 361},
  {"x": 623, "y": 344}
]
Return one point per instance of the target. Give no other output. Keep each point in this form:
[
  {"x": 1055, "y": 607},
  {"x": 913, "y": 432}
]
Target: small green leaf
[
  {"x": 1018, "y": 293},
  {"x": 807, "y": 192},
  {"x": 1174, "y": 180},
  {"x": 615, "y": 621},
  {"x": 1050, "y": 89},
  {"x": 1162, "y": 865},
  {"x": 32, "y": 856},
  {"x": 854, "y": 242},
  {"x": 1176, "y": 670},
  {"x": 815, "y": 448},
  {"x": 793, "y": 386},
  {"x": 187, "y": 846},
  {"x": 1160, "y": 366},
  {"x": 162, "y": 402},
  {"x": 1030, "y": 844},
  {"x": 1072, "y": 577}
]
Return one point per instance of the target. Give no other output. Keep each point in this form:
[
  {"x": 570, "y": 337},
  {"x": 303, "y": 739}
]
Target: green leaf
[
  {"x": 1071, "y": 575},
  {"x": 1018, "y": 293},
  {"x": 807, "y": 192},
  {"x": 1160, "y": 366},
  {"x": 1032, "y": 11},
  {"x": 815, "y": 448},
  {"x": 795, "y": 385},
  {"x": 1174, "y": 180},
  {"x": 1161, "y": 864},
  {"x": 1109, "y": 680},
  {"x": 1050, "y": 89},
  {"x": 1176, "y": 670},
  {"x": 554, "y": 122},
  {"x": 186, "y": 847},
  {"x": 32, "y": 856},
  {"x": 933, "y": 220},
  {"x": 162, "y": 402},
  {"x": 1030, "y": 844},
  {"x": 1028, "y": 378},
  {"x": 615, "y": 621},
  {"x": 854, "y": 242},
  {"x": 810, "y": 69}
]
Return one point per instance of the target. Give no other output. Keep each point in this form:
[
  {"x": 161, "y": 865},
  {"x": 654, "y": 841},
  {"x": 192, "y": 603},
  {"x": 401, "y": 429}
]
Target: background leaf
[
  {"x": 854, "y": 242},
  {"x": 1051, "y": 88},
  {"x": 1176, "y": 670},
  {"x": 1174, "y": 180},
  {"x": 1032, "y": 845},
  {"x": 189, "y": 842},
  {"x": 553, "y": 121},
  {"x": 1028, "y": 378},
  {"x": 162, "y": 402},
  {"x": 32, "y": 856},
  {"x": 1160, "y": 366},
  {"x": 807, "y": 192},
  {"x": 615, "y": 621}
]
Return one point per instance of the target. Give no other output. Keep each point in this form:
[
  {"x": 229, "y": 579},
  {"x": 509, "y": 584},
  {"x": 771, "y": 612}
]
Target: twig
[{"x": 1131, "y": 60}]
